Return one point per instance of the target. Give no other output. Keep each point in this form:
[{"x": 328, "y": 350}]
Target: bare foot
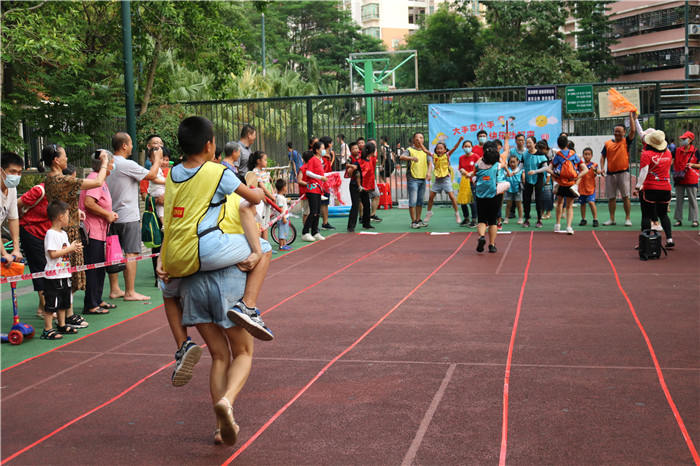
[
  {"x": 250, "y": 263},
  {"x": 116, "y": 295},
  {"x": 136, "y": 297}
]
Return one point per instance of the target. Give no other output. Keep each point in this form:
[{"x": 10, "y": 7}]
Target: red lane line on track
[
  {"x": 64, "y": 426},
  {"x": 662, "y": 381},
  {"x": 334, "y": 273},
  {"x": 506, "y": 380},
  {"x": 333, "y": 361},
  {"x": 81, "y": 338}
]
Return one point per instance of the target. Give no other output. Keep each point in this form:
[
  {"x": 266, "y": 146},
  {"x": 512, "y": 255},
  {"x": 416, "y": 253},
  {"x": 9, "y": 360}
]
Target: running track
[{"x": 402, "y": 349}]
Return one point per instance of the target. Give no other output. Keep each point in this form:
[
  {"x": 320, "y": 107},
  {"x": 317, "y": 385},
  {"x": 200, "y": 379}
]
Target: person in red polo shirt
[
  {"x": 654, "y": 183},
  {"x": 685, "y": 178},
  {"x": 617, "y": 176}
]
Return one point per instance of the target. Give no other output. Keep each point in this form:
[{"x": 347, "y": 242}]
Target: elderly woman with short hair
[
  {"x": 232, "y": 152},
  {"x": 97, "y": 205}
]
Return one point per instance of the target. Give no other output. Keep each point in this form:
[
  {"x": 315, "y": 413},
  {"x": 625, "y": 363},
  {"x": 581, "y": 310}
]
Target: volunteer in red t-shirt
[
  {"x": 654, "y": 183},
  {"x": 367, "y": 163},
  {"x": 465, "y": 196},
  {"x": 685, "y": 178},
  {"x": 314, "y": 176},
  {"x": 33, "y": 224}
]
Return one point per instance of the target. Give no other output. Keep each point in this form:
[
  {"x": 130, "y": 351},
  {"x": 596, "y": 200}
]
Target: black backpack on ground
[{"x": 650, "y": 245}]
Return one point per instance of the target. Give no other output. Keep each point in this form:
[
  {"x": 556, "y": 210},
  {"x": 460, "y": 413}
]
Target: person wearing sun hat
[
  {"x": 685, "y": 178},
  {"x": 654, "y": 183}
]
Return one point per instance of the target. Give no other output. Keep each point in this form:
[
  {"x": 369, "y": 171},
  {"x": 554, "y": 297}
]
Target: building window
[
  {"x": 652, "y": 21},
  {"x": 395, "y": 43},
  {"x": 414, "y": 14},
  {"x": 655, "y": 60},
  {"x": 374, "y": 32},
  {"x": 370, "y": 11}
]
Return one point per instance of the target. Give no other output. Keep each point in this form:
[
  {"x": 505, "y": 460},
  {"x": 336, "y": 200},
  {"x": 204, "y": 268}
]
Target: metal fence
[{"x": 673, "y": 106}]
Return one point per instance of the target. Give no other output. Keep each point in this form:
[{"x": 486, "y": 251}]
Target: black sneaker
[
  {"x": 583, "y": 222},
  {"x": 374, "y": 218},
  {"x": 526, "y": 224},
  {"x": 415, "y": 225},
  {"x": 492, "y": 248},
  {"x": 76, "y": 321},
  {"x": 595, "y": 222},
  {"x": 480, "y": 244},
  {"x": 350, "y": 230},
  {"x": 464, "y": 222},
  {"x": 327, "y": 226},
  {"x": 670, "y": 244},
  {"x": 185, "y": 359},
  {"x": 368, "y": 227},
  {"x": 472, "y": 224},
  {"x": 249, "y": 319}
]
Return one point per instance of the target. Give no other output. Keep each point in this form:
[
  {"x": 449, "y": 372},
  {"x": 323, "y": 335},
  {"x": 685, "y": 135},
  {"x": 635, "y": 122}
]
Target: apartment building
[
  {"x": 652, "y": 39},
  {"x": 393, "y": 20}
]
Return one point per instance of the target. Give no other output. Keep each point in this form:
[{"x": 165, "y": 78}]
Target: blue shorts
[
  {"x": 416, "y": 192},
  {"x": 583, "y": 198},
  {"x": 206, "y": 296}
]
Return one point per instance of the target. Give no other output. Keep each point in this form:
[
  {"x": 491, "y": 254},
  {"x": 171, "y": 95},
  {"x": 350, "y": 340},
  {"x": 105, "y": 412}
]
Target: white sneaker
[
  {"x": 557, "y": 227},
  {"x": 319, "y": 237},
  {"x": 308, "y": 238},
  {"x": 428, "y": 215},
  {"x": 657, "y": 227},
  {"x": 505, "y": 221},
  {"x": 520, "y": 221},
  {"x": 609, "y": 222},
  {"x": 574, "y": 189},
  {"x": 628, "y": 223},
  {"x": 324, "y": 198},
  {"x": 569, "y": 230}
]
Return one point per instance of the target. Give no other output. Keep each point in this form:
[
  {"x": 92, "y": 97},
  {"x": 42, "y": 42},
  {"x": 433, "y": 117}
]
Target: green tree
[
  {"x": 526, "y": 46},
  {"x": 298, "y": 31},
  {"x": 449, "y": 44},
  {"x": 594, "y": 38}
]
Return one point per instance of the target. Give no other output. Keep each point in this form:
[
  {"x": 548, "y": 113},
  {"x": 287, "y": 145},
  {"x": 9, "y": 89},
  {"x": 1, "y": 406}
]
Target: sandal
[
  {"x": 98, "y": 311},
  {"x": 217, "y": 437},
  {"x": 67, "y": 330},
  {"x": 108, "y": 306},
  {"x": 228, "y": 426},
  {"x": 51, "y": 335}
]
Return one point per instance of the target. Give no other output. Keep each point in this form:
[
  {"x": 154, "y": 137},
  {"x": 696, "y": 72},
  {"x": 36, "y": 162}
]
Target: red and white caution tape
[
  {"x": 78, "y": 268},
  {"x": 274, "y": 220}
]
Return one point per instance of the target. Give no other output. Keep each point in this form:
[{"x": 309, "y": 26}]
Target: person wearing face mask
[
  {"x": 481, "y": 138},
  {"x": 11, "y": 174},
  {"x": 685, "y": 178},
  {"x": 466, "y": 197}
]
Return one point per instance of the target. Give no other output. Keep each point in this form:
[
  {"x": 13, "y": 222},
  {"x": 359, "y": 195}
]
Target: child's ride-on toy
[{"x": 19, "y": 330}]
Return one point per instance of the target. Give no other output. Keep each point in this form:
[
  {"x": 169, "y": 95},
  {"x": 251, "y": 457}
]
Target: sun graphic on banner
[{"x": 543, "y": 121}]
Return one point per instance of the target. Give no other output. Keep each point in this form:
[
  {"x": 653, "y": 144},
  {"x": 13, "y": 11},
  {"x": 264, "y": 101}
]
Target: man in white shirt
[
  {"x": 11, "y": 173},
  {"x": 123, "y": 184}
]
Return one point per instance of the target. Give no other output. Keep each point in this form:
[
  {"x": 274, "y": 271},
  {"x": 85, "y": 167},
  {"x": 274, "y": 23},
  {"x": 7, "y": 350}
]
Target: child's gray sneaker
[
  {"x": 249, "y": 319},
  {"x": 185, "y": 359}
]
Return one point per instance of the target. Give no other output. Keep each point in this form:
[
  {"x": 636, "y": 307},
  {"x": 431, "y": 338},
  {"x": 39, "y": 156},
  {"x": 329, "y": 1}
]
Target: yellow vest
[
  {"x": 186, "y": 204},
  {"x": 442, "y": 166},
  {"x": 419, "y": 170}
]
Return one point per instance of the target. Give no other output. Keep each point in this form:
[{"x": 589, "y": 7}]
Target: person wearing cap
[
  {"x": 654, "y": 183},
  {"x": 617, "y": 176},
  {"x": 685, "y": 178}
]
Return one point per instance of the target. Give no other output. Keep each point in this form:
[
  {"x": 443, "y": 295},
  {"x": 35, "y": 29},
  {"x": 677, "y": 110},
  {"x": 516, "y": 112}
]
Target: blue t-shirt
[
  {"x": 514, "y": 153},
  {"x": 558, "y": 160},
  {"x": 296, "y": 158},
  {"x": 229, "y": 183},
  {"x": 532, "y": 162},
  {"x": 486, "y": 180},
  {"x": 514, "y": 180}
]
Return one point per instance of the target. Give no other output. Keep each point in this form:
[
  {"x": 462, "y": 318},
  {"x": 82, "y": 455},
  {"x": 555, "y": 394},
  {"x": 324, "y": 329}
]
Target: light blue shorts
[
  {"x": 206, "y": 296},
  {"x": 443, "y": 184}
]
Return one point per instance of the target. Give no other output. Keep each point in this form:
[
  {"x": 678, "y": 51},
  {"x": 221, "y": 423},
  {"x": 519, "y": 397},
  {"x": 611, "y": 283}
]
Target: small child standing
[
  {"x": 57, "y": 290},
  {"x": 465, "y": 196},
  {"x": 587, "y": 188},
  {"x": 514, "y": 193},
  {"x": 283, "y": 219},
  {"x": 257, "y": 163},
  {"x": 443, "y": 178}
]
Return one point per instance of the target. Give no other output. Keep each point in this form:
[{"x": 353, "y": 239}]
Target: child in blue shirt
[{"x": 514, "y": 173}]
